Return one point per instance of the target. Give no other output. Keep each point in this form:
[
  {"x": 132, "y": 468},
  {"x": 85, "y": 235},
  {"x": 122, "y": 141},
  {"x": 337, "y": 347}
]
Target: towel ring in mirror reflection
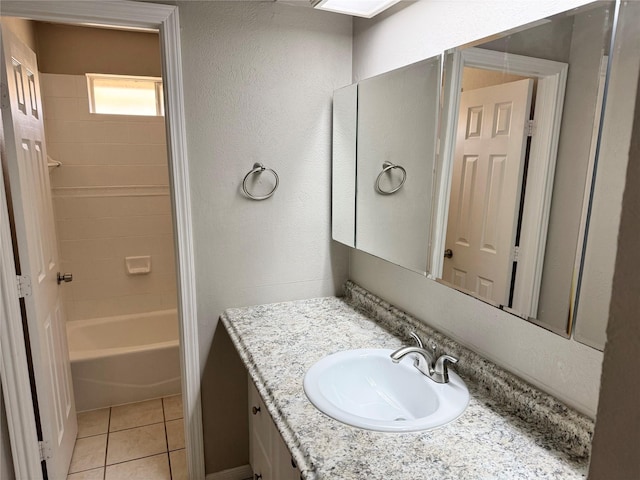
[
  {"x": 386, "y": 166},
  {"x": 257, "y": 169}
]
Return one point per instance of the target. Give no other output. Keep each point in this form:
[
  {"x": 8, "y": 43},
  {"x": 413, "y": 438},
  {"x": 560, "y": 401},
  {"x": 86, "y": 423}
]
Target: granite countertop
[{"x": 509, "y": 431}]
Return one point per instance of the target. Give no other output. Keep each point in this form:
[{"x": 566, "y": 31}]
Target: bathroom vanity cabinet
[
  {"x": 509, "y": 429},
  {"x": 268, "y": 454}
]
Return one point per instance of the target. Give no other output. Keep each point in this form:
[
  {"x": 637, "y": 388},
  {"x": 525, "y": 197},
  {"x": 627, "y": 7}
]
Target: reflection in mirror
[
  {"x": 343, "y": 181},
  {"x": 517, "y": 149},
  {"x": 494, "y": 230},
  {"x": 488, "y": 163},
  {"x": 397, "y": 126},
  {"x": 601, "y": 244}
]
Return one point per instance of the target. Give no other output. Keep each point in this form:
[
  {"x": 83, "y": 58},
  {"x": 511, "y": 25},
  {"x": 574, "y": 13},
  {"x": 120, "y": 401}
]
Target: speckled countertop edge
[
  {"x": 279, "y": 418},
  {"x": 571, "y": 430},
  {"x": 565, "y": 430}
]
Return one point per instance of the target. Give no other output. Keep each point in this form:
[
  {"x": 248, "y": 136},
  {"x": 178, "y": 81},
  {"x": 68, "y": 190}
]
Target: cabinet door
[
  {"x": 284, "y": 466},
  {"x": 268, "y": 453},
  {"x": 260, "y": 436},
  {"x": 261, "y": 465}
]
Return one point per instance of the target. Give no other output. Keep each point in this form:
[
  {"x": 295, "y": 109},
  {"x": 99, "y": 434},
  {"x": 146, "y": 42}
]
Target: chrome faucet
[{"x": 428, "y": 363}]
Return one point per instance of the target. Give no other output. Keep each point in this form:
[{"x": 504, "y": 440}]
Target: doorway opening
[
  {"x": 104, "y": 219},
  {"x": 20, "y": 417}
]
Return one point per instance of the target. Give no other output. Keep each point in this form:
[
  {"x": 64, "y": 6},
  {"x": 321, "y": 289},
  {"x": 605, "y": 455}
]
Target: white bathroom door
[
  {"x": 37, "y": 252},
  {"x": 486, "y": 187}
]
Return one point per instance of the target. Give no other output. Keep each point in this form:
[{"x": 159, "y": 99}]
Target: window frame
[{"x": 157, "y": 89}]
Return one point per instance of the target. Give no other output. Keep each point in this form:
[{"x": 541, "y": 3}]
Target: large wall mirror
[
  {"x": 389, "y": 148},
  {"x": 343, "y": 172},
  {"x": 396, "y": 143},
  {"x": 518, "y": 132},
  {"x": 521, "y": 118}
]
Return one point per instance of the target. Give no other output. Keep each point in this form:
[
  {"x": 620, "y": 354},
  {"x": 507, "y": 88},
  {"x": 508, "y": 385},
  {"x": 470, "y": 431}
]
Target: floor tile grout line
[
  {"x": 164, "y": 414},
  {"x": 166, "y": 440},
  {"x": 106, "y": 450},
  {"x": 169, "y": 460},
  {"x": 139, "y": 458},
  {"x": 94, "y": 435},
  {"x": 137, "y": 426},
  {"x": 82, "y": 471}
]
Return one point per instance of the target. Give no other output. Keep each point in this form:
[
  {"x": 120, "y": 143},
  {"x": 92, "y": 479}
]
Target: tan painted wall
[
  {"x": 23, "y": 29},
  {"x": 74, "y": 50},
  {"x": 479, "y": 78}
]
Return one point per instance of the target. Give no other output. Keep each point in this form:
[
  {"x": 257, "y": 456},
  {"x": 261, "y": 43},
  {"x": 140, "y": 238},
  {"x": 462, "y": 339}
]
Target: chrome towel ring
[
  {"x": 257, "y": 169},
  {"x": 386, "y": 166}
]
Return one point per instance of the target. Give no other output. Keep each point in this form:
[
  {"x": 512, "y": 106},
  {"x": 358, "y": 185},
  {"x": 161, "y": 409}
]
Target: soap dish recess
[{"x": 138, "y": 265}]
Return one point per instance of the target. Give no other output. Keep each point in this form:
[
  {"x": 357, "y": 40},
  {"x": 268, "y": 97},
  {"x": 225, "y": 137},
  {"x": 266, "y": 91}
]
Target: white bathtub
[{"x": 124, "y": 359}]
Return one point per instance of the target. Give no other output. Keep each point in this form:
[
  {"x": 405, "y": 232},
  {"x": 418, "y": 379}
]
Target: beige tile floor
[{"x": 138, "y": 441}]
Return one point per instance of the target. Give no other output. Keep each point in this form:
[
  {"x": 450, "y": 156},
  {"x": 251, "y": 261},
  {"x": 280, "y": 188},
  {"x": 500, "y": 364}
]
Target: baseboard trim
[{"x": 238, "y": 473}]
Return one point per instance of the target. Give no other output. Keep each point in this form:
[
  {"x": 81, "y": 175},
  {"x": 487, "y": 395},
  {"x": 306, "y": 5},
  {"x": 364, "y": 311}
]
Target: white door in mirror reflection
[{"x": 486, "y": 188}]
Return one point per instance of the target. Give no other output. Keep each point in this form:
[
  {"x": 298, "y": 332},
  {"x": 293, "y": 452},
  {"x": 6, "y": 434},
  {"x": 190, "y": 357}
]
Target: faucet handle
[
  {"x": 441, "y": 366},
  {"x": 415, "y": 336}
]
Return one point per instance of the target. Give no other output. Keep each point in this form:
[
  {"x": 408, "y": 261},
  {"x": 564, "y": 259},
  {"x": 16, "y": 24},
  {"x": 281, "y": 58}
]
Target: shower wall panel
[{"x": 111, "y": 201}]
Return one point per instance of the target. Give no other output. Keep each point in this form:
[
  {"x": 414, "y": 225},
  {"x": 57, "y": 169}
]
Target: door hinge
[
  {"x": 531, "y": 128},
  {"x": 516, "y": 253},
  {"x": 44, "y": 451},
  {"x": 24, "y": 285}
]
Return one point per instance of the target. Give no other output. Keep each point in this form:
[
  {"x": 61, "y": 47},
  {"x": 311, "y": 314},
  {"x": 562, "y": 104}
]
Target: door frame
[
  {"x": 20, "y": 414},
  {"x": 552, "y": 79}
]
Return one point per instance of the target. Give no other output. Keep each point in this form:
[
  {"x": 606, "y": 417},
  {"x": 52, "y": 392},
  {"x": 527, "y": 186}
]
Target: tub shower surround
[
  {"x": 510, "y": 430},
  {"x": 111, "y": 201}
]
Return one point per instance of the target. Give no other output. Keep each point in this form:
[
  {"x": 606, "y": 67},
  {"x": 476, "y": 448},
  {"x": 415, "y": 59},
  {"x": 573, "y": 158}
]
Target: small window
[{"x": 125, "y": 95}]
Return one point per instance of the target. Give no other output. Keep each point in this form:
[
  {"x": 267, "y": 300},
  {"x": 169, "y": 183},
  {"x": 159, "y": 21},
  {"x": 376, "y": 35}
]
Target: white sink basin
[{"x": 364, "y": 388}]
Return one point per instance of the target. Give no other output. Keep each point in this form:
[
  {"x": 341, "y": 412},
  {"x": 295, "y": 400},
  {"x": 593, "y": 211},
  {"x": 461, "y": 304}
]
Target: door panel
[
  {"x": 486, "y": 187},
  {"x": 491, "y": 211},
  {"x": 37, "y": 252}
]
